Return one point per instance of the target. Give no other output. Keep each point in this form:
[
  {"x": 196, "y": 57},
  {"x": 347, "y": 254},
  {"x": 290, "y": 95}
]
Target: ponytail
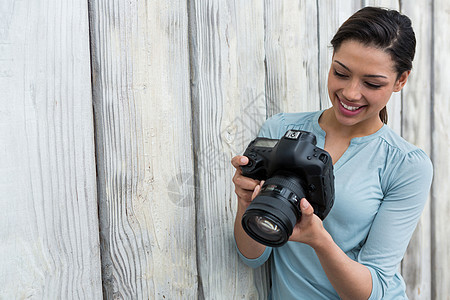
[{"x": 384, "y": 115}]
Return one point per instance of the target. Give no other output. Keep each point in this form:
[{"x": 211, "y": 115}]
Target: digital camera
[{"x": 293, "y": 168}]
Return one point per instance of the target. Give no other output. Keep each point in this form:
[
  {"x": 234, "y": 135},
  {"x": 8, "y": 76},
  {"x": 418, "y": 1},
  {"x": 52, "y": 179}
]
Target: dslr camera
[{"x": 293, "y": 168}]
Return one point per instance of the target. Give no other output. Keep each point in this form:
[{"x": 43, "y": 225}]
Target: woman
[{"x": 381, "y": 181}]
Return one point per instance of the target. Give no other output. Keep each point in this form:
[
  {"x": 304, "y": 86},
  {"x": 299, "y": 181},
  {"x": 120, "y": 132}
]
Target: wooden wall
[
  {"x": 49, "y": 242},
  {"x": 157, "y": 96}
]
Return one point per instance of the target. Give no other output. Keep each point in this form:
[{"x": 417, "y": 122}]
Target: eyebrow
[{"x": 367, "y": 75}]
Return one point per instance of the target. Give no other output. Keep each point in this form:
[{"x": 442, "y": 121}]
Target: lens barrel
[{"x": 272, "y": 215}]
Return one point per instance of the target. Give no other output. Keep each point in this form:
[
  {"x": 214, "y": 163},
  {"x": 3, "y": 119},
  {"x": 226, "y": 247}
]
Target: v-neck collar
[{"x": 321, "y": 135}]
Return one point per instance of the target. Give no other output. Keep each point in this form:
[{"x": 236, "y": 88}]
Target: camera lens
[
  {"x": 266, "y": 227},
  {"x": 272, "y": 215}
]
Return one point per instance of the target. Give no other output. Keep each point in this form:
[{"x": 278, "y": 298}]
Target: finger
[
  {"x": 243, "y": 182},
  {"x": 244, "y": 194},
  {"x": 239, "y": 160},
  {"x": 256, "y": 191},
  {"x": 306, "y": 207}
]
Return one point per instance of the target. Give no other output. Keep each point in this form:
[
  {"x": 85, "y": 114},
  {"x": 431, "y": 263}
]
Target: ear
[{"x": 401, "y": 81}]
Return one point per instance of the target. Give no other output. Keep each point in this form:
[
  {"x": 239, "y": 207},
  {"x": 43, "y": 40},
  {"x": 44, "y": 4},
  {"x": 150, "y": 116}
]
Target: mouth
[
  {"x": 348, "y": 107},
  {"x": 349, "y": 110}
]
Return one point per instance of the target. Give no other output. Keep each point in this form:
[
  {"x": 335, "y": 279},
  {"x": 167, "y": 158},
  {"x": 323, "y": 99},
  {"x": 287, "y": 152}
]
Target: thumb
[
  {"x": 257, "y": 189},
  {"x": 306, "y": 208}
]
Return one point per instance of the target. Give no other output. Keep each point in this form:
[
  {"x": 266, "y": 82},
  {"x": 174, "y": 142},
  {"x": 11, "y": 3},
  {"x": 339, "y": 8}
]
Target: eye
[
  {"x": 373, "y": 86},
  {"x": 336, "y": 73}
]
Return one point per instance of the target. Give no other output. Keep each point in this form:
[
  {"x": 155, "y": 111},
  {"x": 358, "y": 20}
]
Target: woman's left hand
[{"x": 310, "y": 229}]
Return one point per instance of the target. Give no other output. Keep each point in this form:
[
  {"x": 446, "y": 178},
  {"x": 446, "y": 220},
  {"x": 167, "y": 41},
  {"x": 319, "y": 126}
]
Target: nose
[{"x": 352, "y": 91}]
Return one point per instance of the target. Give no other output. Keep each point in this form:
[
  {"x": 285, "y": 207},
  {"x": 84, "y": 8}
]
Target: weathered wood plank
[
  {"x": 48, "y": 211},
  {"x": 291, "y": 40},
  {"x": 416, "y": 111},
  {"x": 144, "y": 149},
  {"x": 227, "y": 53},
  {"x": 440, "y": 207}
]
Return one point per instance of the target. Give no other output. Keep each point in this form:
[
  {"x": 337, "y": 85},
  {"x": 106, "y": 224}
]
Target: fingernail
[
  {"x": 305, "y": 204},
  {"x": 243, "y": 160}
]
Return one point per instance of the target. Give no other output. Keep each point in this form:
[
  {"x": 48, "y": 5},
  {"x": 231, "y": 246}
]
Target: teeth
[{"x": 351, "y": 108}]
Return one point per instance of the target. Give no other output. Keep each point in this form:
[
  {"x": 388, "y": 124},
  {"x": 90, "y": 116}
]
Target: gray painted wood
[
  {"x": 144, "y": 149},
  {"x": 440, "y": 151},
  {"x": 416, "y": 114},
  {"x": 227, "y": 63},
  {"x": 292, "y": 82},
  {"x": 48, "y": 212}
]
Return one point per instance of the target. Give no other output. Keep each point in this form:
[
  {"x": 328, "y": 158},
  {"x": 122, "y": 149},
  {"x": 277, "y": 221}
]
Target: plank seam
[{"x": 433, "y": 238}]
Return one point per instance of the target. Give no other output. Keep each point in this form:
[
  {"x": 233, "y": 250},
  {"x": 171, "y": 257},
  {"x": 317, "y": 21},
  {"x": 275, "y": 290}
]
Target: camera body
[{"x": 293, "y": 168}]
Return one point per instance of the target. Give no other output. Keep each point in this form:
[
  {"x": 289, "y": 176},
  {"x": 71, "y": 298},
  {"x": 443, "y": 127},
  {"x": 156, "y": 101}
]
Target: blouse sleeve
[
  {"x": 405, "y": 193},
  {"x": 255, "y": 262},
  {"x": 272, "y": 127}
]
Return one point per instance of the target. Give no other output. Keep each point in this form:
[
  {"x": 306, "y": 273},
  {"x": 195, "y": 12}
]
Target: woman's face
[{"x": 360, "y": 82}]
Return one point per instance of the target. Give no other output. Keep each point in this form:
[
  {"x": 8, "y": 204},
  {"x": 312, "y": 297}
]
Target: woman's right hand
[{"x": 246, "y": 188}]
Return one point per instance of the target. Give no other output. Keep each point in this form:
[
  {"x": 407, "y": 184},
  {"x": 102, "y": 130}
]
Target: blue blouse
[{"x": 381, "y": 186}]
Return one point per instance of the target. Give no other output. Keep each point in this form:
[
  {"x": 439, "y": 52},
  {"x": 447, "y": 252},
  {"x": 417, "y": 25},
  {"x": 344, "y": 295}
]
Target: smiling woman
[{"x": 381, "y": 181}]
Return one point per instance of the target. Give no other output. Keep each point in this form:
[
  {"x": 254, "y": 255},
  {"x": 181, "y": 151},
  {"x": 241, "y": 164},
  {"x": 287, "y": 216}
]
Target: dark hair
[{"x": 384, "y": 29}]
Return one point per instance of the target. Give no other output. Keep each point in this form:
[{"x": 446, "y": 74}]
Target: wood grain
[
  {"x": 144, "y": 149},
  {"x": 440, "y": 152},
  {"x": 416, "y": 112},
  {"x": 291, "y": 37},
  {"x": 48, "y": 209},
  {"x": 227, "y": 54}
]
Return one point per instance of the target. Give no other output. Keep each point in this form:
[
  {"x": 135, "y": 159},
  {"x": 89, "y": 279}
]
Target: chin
[{"x": 346, "y": 121}]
